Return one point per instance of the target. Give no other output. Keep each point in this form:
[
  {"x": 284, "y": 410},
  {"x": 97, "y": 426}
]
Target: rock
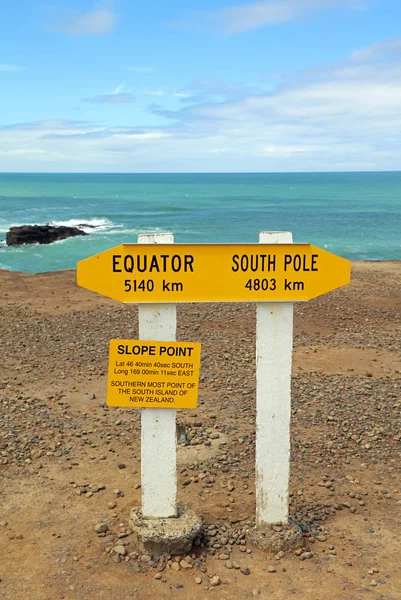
[
  {"x": 120, "y": 550},
  {"x": 185, "y": 565},
  {"x": 175, "y": 566},
  {"x": 271, "y": 569},
  {"x": 215, "y": 580},
  {"x": 255, "y": 592},
  {"x": 40, "y": 234},
  {"x": 161, "y": 564},
  {"x": 101, "y": 528},
  {"x": 245, "y": 570},
  {"x": 306, "y": 555},
  {"x": 121, "y": 465},
  {"x": 145, "y": 558},
  {"x": 198, "y": 580},
  {"x": 158, "y": 576}
]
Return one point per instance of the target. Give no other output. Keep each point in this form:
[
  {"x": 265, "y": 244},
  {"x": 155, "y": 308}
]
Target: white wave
[
  {"x": 134, "y": 230},
  {"x": 137, "y": 230},
  {"x": 88, "y": 225}
]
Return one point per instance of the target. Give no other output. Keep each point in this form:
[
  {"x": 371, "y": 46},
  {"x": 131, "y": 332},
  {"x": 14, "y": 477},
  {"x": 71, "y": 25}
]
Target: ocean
[{"x": 354, "y": 215}]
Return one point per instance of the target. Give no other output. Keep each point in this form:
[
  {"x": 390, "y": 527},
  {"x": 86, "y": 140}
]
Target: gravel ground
[{"x": 68, "y": 463}]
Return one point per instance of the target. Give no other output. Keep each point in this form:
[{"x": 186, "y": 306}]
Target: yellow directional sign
[
  {"x": 153, "y": 374},
  {"x": 213, "y": 272}
]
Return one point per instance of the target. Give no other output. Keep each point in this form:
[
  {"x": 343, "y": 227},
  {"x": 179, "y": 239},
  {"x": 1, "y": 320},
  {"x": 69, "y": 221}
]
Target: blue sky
[{"x": 189, "y": 86}]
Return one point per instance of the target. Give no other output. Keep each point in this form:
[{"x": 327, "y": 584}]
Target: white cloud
[
  {"x": 216, "y": 90},
  {"x": 96, "y": 22},
  {"x": 158, "y": 93},
  {"x": 117, "y": 96},
  {"x": 10, "y": 68},
  {"x": 119, "y": 88},
  {"x": 390, "y": 48},
  {"x": 245, "y": 17},
  {"x": 346, "y": 117}
]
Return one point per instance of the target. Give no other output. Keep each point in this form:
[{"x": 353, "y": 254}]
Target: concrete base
[
  {"x": 288, "y": 538},
  {"x": 173, "y": 535}
]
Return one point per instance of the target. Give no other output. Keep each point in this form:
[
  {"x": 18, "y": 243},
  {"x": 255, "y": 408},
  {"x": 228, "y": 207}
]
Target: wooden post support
[
  {"x": 274, "y": 331},
  {"x": 158, "y": 435}
]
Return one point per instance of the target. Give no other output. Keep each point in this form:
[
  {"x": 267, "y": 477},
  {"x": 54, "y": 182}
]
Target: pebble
[
  {"x": 198, "y": 580},
  {"x": 306, "y": 555},
  {"x": 101, "y": 528},
  {"x": 145, "y": 558},
  {"x": 215, "y": 580},
  {"x": 245, "y": 570},
  {"x": 271, "y": 569},
  {"x": 121, "y": 550},
  {"x": 255, "y": 592}
]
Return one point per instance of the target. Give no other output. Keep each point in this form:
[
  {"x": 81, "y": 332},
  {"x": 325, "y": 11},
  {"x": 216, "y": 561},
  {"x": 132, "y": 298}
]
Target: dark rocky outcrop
[{"x": 40, "y": 234}]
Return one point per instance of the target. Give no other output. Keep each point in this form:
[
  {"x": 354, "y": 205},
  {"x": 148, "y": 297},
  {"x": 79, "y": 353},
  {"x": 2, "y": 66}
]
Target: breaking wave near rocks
[{"x": 94, "y": 225}]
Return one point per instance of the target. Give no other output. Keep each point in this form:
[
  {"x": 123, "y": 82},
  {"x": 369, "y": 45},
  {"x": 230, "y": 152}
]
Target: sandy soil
[{"x": 68, "y": 462}]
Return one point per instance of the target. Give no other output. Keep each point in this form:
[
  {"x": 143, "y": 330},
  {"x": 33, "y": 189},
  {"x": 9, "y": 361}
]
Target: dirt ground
[{"x": 68, "y": 462}]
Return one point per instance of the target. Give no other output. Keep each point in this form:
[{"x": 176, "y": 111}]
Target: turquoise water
[{"x": 355, "y": 215}]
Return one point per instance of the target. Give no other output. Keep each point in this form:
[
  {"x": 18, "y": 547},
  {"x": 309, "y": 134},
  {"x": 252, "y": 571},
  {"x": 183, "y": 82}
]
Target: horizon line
[{"x": 193, "y": 172}]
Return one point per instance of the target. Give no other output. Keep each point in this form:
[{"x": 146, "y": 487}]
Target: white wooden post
[
  {"x": 158, "y": 436},
  {"x": 274, "y": 334}
]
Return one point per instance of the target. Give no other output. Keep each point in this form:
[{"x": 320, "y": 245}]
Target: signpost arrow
[
  {"x": 149, "y": 273},
  {"x": 274, "y": 274}
]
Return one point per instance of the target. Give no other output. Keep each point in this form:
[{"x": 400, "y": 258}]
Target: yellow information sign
[
  {"x": 213, "y": 272},
  {"x": 149, "y": 374}
]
